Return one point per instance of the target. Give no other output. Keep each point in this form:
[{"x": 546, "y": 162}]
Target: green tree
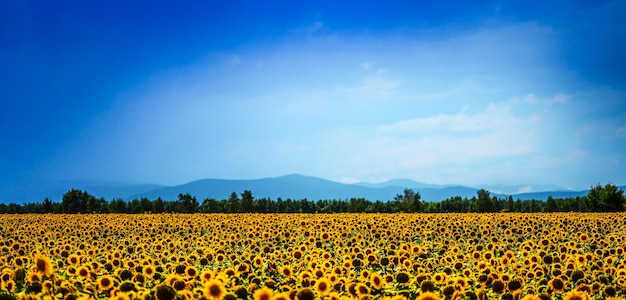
[
  {"x": 188, "y": 203},
  {"x": 551, "y": 205},
  {"x": 75, "y": 201},
  {"x": 606, "y": 199},
  {"x": 416, "y": 205},
  {"x": 233, "y": 203},
  {"x": 399, "y": 201},
  {"x": 510, "y": 204},
  {"x": 247, "y": 201},
  {"x": 48, "y": 207},
  {"x": 484, "y": 203},
  {"x": 209, "y": 205},
  {"x": 145, "y": 205},
  {"x": 117, "y": 206},
  {"x": 407, "y": 199},
  {"x": 158, "y": 205}
]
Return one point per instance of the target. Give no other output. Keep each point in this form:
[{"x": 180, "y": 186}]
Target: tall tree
[
  {"x": 551, "y": 205},
  {"x": 407, "y": 199},
  {"x": 188, "y": 203},
  {"x": 607, "y": 199},
  {"x": 209, "y": 205},
  {"x": 75, "y": 201},
  {"x": 117, "y": 206},
  {"x": 484, "y": 203},
  {"x": 233, "y": 203},
  {"x": 47, "y": 206},
  {"x": 416, "y": 205},
  {"x": 246, "y": 201},
  {"x": 158, "y": 205}
]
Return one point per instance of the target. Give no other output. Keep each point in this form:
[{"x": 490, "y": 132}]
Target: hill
[{"x": 294, "y": 186}]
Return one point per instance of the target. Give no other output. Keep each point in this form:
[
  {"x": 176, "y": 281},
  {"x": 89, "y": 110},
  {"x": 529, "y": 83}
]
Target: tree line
[{"x": 607, "y": 198}]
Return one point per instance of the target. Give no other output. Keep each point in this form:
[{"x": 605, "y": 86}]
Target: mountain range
[{"x": 294, "y": 186}]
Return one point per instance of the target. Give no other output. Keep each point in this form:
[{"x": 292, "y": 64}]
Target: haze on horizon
[{"x": 449, "y": 92}]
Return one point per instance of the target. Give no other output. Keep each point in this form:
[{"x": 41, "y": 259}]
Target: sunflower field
[{"x": 313, "y": 256}]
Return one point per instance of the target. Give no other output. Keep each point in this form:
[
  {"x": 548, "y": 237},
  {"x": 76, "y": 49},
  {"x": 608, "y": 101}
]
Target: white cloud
[
  {"x": 533, "y": 99},
  {"x": 311, "y": 29},
  {"x": 495, "y": 117},
  {"x": 371, "y": 88},
  {"x": 530, "y": 99},
  {"x": 319, "y": 105},
  {"x": 234, "y": 60},
  {"x": 433, "y": 145},
  {"x": 348, "y": 180},
  {"x": 560, "y": 99}
]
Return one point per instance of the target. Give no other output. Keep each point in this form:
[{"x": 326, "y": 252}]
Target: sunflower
[
  {"x": 257, "y": 262},
  {"x": 514, "y": 284},
  {"x": 609, "y": 291},
  {"x": 428, "y": 296},
  {"x": 214, "y": 289},
  {"x": 179, "y": 285},
  {"x": 120, "y": 296},
  {"x": 43, "y": 265},
  {"x": 402, "y": 277},
  {"x": 376, "y": 281},
  {"x": 361, "y": 289},
  {"x": 322, "y": 286},
  {"x": 33, "y": 276},
  {"x": 191, "y": 272},
  {"x": 148, "y": 271},
  {"x": 172, "y": 278},
  {"x": 83, "y": 272},
  {"x": 164, "y": 292},
  {"x": 8, "y": 285},
  {"x": 105, "y": 282},
  {"x": 128, "y": 286},
  {"x": 461, "y": 282},
  {"x": 206, "y": 275},
  {"x": 282, "y": 296},
  {"x": 305, "y": 294},
  {"x": 576, "y": 295},
  {"x": 448, "y": 291},
  {"x": 557, "y": 284},
  {"x": 439, "y": 278},
  {"x": 73, "y": 259},
  {"x": 584, "y": 238},
  {"x": 498, "y": 286},
  {"x": 531, "y": 297},
  {"x": 264, "y": 293}
]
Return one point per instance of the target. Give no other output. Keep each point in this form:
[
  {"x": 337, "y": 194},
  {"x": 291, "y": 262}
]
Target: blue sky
[{"x": 453, "y": 92}]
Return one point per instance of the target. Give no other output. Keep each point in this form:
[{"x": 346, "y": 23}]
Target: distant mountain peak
[{"x": 294, "y": 186}]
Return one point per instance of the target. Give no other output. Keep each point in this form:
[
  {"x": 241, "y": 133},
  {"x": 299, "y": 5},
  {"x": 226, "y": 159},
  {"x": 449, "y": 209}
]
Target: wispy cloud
[
  {"x": 358, "y": 108},
  {"x": 496, "y": 117},
  {"x": 419, "y": 146},
  {"x": 366, "y": 66},
  {"x": 374, "y": 88}
]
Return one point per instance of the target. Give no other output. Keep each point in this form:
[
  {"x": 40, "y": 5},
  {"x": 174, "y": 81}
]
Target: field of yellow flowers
[{"x": 313, "y": 256}]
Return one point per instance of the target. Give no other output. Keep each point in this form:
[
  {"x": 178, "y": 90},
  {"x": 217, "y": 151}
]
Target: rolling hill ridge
[{"x": 294, "y": 186}]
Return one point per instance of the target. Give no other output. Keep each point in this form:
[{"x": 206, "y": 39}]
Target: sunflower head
[
  {"x": 305, "y": 294},
  {"x": 214, "y": 289},
  {"x": 105, "y": 282},
  {"x": 164, "y": 292},
  {"x": 264, "y": 293},
  {"x": 576, "y": 295},
  {"x": 43, "y": 264},
  {"x": 428, "y": 296},
  {"x": 322, "y": 286}
]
